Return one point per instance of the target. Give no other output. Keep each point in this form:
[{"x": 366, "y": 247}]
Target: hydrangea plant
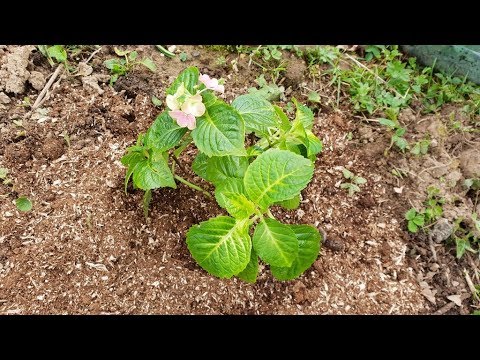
[{"x": 247, "y": 180}]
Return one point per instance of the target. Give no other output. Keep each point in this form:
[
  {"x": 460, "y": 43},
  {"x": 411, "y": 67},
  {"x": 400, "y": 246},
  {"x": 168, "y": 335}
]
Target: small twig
[
  {"x": 93, "y": 54},
  {"x": 470, "y": 284},
  {"x": 435, "y": 167},
  {"x": 432, "y": 247},
  {"x": 49, "y": 93},
  {"x": 178, "y": 163},
  {"x": 47, "y": 86}
]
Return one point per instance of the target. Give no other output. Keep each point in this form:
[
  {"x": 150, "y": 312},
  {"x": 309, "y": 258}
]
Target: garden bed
[{"x": 86, "y": 247}]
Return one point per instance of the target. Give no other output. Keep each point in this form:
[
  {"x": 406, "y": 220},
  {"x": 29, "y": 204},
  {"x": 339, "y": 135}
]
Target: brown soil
[{"x": 86, "y": 248}]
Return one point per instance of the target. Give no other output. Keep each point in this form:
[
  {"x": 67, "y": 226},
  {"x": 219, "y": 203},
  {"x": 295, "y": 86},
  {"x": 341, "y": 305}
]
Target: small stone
[
  {"x": 442, "y": 230},
  {"x": 195, "y": 53},
  {"x": 299, "y": 292},
  {"x": 470, "y": 163},
  {"x": 4, "y": 99},
  {"x": 300, "y": 213},
  {"x": 382, "y": 225},
  {"x": 40, "y": 297},
  {"x": 172, "y": 48},
  {"x": 334, "y": 244},
  {"x": 37, "y": 80}
]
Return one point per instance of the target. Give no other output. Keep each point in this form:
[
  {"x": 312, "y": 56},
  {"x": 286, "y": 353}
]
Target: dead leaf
[{"x": 457, "y": 299}]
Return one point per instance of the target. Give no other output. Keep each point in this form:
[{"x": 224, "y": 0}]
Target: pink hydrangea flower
[
  {"x": 185, "y": 107},
  {"x": 211, "y": 83},
  {"x": 183, "y": 119}
]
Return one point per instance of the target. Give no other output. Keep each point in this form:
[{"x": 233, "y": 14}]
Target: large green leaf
[
  {"x": 315, "y": 145},
  {"x": 130, "y": 160},
  {"x": 276, "y": 175},
  {"x": 249, "y": 274},
  {"x": 221, "y": 167},
  {"x": 303, "y": 114},
  {"x": 234, "y": 185},
  {"x": 164, "y": 133},
  {"x": 150, "y": 171},
  {"x": 275, "y": 243},
  {"x": 257, "y": 112},
  {"x": 220, "y": 131},
  {"x": 238, "y": 205},
  {"x": 285, "y": 124},
  {"x": 308, "y": 248},
  {"x": 199, "y": 165},
  {"x": 220, "y": 245},
  {"x": 290, "y": 204},
  {"x": 189, "y": 77}
]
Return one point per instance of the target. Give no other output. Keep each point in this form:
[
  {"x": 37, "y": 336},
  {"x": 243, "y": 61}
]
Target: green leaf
[
  {"x": 199, "y": 165},
  {"x": 290, "y": 204},
  {"x": 400, "y": 142},
  {"x": 419, "y": 220},
  {"x": 58, "y": 53},
  {"x": 314, "y": 97},
  {"x": 315, "y": 145},
  {"x": 233, "y": 185},
  {"x": 308, "y": 248},
  {"x": 462, "y": 245},
  {"x": 149, "y": 64},
  {"x": 359, "y": 180},
  {"x": 156, "y": 101},
  {"x": 220, "y": 168},
  {"x": 120, "y": 52},
  {"x": 347, "y": 174},
  {"x": 153, "y": 172},
  {"x": 238, "y": 205},
  {"x": 23, "y": 204},
  {"x": 147, "y": 197},
  {"x": 220, "y": 131},
  {"x": 410, "y": 214},
  {"x": 412, "y": 227},
  {"x": 303, "y": 114},
  {"x": 164, "y": 133},
  {"x": 110, "y": 63},
  {"x": 388, "y": 123},
  {"x": 277, "y": 175},
  {"x": 3, "y": 173},
  {"x": 189, "y": 77},
  {"x": 132, "y": 56},
  {"x": 275, "y": 243},
  {"x": 400, "y": 131},
  {"x": 284, "y": 123},
  {"x": 130, "y": 160},
  {"x": 257, "y": 112},
  {"x": 220, "y": 245},
  {"x": 249, "y": 274}
]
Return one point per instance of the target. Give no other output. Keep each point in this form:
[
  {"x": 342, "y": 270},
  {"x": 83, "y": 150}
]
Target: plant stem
[
  {"x": 193, "y": 186},
  {"x": 178, "y": 163},
  {"x": 270, "y": 215}
]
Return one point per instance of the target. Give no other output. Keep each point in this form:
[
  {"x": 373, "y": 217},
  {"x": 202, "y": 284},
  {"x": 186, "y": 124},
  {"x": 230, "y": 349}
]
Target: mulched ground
[{"x": 86, "y": 248}]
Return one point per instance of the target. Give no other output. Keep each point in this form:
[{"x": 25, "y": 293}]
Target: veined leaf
[
  {"x": 276, "y": 175},
  {"x": 199, "y": 165},
  {"x": 164, "y": 133},
  {"x": 285, "y": 124},
  {"x": 220, "y": 168},
  {"x": 234, "y": 185},
  {"x": 303, "y": 114},
  {"x": 257, "y": 112},
  {"x": 149, "y": 169},
  {"x": 315, "y": 145},
  {"x": 149, "y": 64},
  {"x": 220, "y": 245},
  {"x": 275, "y": 243},
  {"x": 249, "y": 274},
  {"x": 220, "y": 131},
  {"x": 238, "y": 205},
  {"x": 189, "y": 77},
  {"x": 308, "y": 248},
  {"x": 58, "y": 53},
  {"x": 290, "y": 204}
]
